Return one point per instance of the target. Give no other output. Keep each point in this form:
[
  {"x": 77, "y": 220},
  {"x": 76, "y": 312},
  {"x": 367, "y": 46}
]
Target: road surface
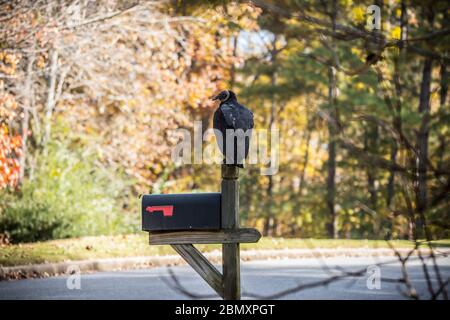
[{"x": 258, "y": 277}]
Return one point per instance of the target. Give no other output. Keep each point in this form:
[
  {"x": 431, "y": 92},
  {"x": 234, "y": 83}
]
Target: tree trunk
[
  {"x": 444, "y": 85},
  {"x": 371, "y": 141},
  {"x": 332, "y": 133},
  {"x": 26, "y": 114},
  {"x": 391, "y": 180},
  {"x": 442, "y": 99},
  {"x": 422, "y": 140},
  {"x": 305, "y": 162},
  {"x": 270, "y": 223},
  {"x": 233, "y": 66},
  {"x": 370, "y": 146},
  {"x": 397, "y": 120},
  {"x": 331, "y": 163},
  {"x": 50, "y": 105}
]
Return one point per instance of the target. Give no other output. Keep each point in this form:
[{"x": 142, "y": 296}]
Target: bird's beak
[{"x": 214, "y": 98}]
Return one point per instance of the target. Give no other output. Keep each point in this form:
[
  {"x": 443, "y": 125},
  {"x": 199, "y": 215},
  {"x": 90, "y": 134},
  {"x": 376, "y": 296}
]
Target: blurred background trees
[{"x": 90, "y": 91}]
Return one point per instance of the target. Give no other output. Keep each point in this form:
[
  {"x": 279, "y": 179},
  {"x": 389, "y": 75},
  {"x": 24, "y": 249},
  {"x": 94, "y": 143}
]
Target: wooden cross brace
[
  {"x": 228, "y": 284},
  {"x": 182, "y": 242}
]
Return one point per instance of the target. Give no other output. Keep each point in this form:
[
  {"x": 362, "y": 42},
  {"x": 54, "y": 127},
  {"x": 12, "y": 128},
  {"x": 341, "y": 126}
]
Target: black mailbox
[{"x": 194, "y": 211}]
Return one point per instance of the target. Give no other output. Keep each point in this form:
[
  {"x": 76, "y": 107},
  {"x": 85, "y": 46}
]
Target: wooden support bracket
[
  {"x": 201, "y": 265},
  {"x": 227, "y": 284},
  {"x": 182, "y": 242},
  {"x": 243, "y": 235}
]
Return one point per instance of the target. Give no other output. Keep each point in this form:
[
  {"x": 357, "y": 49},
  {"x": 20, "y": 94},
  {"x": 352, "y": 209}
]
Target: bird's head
[{"x": 225, "y": 95}]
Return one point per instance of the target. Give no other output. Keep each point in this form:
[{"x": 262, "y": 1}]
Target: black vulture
[{"x": 232, "y": 116}]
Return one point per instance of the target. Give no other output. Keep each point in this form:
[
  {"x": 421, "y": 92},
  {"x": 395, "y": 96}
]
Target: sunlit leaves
[
  {"x": 358, "y": 14},
  {"x": 396, "y": 33},
  {"x": 10, "y": 150},
  {"x": 10, "y": 141}
]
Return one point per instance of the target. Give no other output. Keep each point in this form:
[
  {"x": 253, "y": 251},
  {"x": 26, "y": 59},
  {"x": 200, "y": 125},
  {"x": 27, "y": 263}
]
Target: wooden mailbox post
[
  {"x": 228, "y": 284},
  {"x": 230, "y": 221}
]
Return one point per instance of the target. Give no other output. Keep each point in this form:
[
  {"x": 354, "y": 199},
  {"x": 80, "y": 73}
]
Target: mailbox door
[{"x": 196, "y": 211}]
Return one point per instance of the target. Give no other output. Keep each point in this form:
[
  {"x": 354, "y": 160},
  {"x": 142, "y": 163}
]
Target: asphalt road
[{"x": 258, "y": 277}]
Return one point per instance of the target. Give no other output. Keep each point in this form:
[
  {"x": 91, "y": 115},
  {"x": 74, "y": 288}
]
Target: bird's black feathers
[{"x": 232, "y": 115}]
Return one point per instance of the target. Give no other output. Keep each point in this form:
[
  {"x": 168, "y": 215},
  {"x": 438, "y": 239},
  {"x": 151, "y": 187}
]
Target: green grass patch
[{"x": 137, "y": 245}]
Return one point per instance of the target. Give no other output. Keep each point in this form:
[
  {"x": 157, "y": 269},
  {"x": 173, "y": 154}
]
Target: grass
[{"x": 137, "y": 245}]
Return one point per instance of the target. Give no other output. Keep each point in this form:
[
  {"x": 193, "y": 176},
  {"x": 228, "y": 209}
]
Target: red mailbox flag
[{"x": 167, "y": 210}]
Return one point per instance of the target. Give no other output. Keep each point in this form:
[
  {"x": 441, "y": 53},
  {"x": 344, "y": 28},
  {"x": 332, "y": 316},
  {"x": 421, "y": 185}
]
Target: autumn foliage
[
  {"x": 10, "y": 149},
  {"x": 92, "y": 91},
  {"x": 10, "y": 142}
]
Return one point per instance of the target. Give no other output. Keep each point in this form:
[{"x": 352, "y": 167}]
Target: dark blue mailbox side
[{"x": 193, "y": 211}]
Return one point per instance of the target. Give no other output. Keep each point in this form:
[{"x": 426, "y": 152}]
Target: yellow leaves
[
  {"x": 132, "y": 103},
  {"x": 434, "y": 97},
  {"x": 8, "y": 63},
  {"x": 157, "y": 168},
  {"x": 11, "y": 59},
  {"x": 235, "y": 16},
  {"x": 56, "y": 172},
  {"x": 396, "y": 33},
  {"x": 346, "y": 3},
  {"x": 293, "y": 22},
  {"x": 40, "y": 62},
  {"x": 5, "y": 129},
  {"x": 360, "y": 86},
  {"x": 243, "y": 15},
  {"x": 358, "y": 14},
  {"x": 308, "y": 217},
  {"x": 356, "y": 51}
]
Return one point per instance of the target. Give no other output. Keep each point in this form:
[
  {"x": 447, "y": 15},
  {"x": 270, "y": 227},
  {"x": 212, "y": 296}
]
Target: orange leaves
[
  {"x": 8, "y": 63},
  {"x": 8, "y": 105},
  {"x": 10, "y": 150},
  {"x": 40, "y": 62},
  {"x": 126, "y": 81},
  {"x": 10, "y": 144}
]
